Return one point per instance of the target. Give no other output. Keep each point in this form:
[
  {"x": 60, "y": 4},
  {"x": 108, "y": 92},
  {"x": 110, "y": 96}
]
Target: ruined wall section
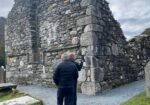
[
  {"x": 108, "y": 55},
  {"x": 61, "y": 25},
  {"x": 139, "y": 52},
  {"x": 19, "y": 42}
]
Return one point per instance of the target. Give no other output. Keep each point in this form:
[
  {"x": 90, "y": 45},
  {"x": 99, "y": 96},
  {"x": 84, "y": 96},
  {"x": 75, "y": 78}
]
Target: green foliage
[
  {"x": 2, "y": 53},
  {"x": 140, "y": 99}
]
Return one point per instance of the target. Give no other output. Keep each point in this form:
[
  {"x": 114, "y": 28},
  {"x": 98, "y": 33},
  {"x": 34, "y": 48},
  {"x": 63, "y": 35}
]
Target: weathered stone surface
[
  {"x": 115, "y": 50},
  {"x": 82, "y": 75},
  {"x": 93, "y": 27},
  {"x": 147, "y": 78},
  {"x": 26, "y": 100},
  {"x": 91, "y": 10},
  {"x": 86, "y": 39},
  {"x": 99, "y": 75},
  {"x": 75, "y": 40},
  {"x": 44, "y": 76},
  {"x": 90, "y": 88},
  {"x": 88, "y": 2},
  {"x": 56, "y": 62},
  {"x": 87, "y": 61},
  {"x": 73, "y": 32},
  {"x": 85, "y": 21}
]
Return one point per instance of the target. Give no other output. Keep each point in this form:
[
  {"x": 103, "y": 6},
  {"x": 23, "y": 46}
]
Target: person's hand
[
  {"x": 82, "y": 58},
  {"x": 81, "y": 62}
]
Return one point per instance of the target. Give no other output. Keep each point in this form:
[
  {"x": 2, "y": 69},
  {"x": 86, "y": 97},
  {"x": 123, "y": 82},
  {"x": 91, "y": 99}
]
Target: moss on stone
[
  {"x": 10, "y": 95},
  {"x": 40, "y": 103}
]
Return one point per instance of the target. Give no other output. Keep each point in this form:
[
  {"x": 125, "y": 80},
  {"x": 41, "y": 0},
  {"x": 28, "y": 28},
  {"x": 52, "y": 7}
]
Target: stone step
[
  {"x": 7, "y": 86},
  {"x": 25, "y": 100}
]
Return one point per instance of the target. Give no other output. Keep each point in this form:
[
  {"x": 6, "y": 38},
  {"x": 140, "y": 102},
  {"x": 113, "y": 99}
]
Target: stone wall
[
  {"x": 18, "y": 42},
  {"x": 139, "y": 52},
  {"x": 39, "y": 31}
]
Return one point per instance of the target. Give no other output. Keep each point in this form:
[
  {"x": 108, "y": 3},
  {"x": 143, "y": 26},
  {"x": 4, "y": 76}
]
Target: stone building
[{"x": 39, "y": 31}]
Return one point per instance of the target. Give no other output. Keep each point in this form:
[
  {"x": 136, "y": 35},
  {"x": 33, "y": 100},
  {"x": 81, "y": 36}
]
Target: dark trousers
[
  {"x": 75, "y": 94},
  {"x": 66, "y": 94}
]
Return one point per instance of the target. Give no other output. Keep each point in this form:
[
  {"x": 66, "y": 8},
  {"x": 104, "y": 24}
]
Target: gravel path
[{"x": 111, "y": 97}]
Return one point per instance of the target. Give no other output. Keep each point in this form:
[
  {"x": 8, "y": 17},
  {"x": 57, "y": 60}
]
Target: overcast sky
[{"x": 133, "y": 15}]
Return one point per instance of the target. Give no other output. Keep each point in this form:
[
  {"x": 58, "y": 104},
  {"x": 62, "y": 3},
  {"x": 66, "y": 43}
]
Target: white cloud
[
  {"x": 133, "y": 15},
  {"x": 5, "y": 7}
]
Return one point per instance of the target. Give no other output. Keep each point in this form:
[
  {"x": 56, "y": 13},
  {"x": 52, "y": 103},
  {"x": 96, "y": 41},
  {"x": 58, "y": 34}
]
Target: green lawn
[{"x": 140, "y": 99}]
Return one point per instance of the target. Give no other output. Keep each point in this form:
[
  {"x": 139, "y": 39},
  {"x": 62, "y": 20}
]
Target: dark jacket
[{"x": 66, "y": 74}]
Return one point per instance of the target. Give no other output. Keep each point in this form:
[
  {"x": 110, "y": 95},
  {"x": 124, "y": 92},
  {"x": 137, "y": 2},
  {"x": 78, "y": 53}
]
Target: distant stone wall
[
  {"x": 139, "y": 53},
  {"x": 39, "y": 31}
]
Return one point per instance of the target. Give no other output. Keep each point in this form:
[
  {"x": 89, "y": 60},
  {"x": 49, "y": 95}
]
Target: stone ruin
[
  {"x": 39, "y": 31},
  {"x": 139, "y": 52}
]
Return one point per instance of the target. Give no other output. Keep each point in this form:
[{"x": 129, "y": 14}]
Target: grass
[{"x": 140, "y": 99}]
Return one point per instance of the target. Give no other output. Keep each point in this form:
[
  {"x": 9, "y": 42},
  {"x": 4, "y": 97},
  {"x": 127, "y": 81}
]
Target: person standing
[
  {"x": 71, "y": 57},
  {"x": 65, "y": 77}
]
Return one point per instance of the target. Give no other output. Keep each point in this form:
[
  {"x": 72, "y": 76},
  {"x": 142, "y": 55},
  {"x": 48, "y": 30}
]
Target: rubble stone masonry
[{"x": 39, "y": 31}]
